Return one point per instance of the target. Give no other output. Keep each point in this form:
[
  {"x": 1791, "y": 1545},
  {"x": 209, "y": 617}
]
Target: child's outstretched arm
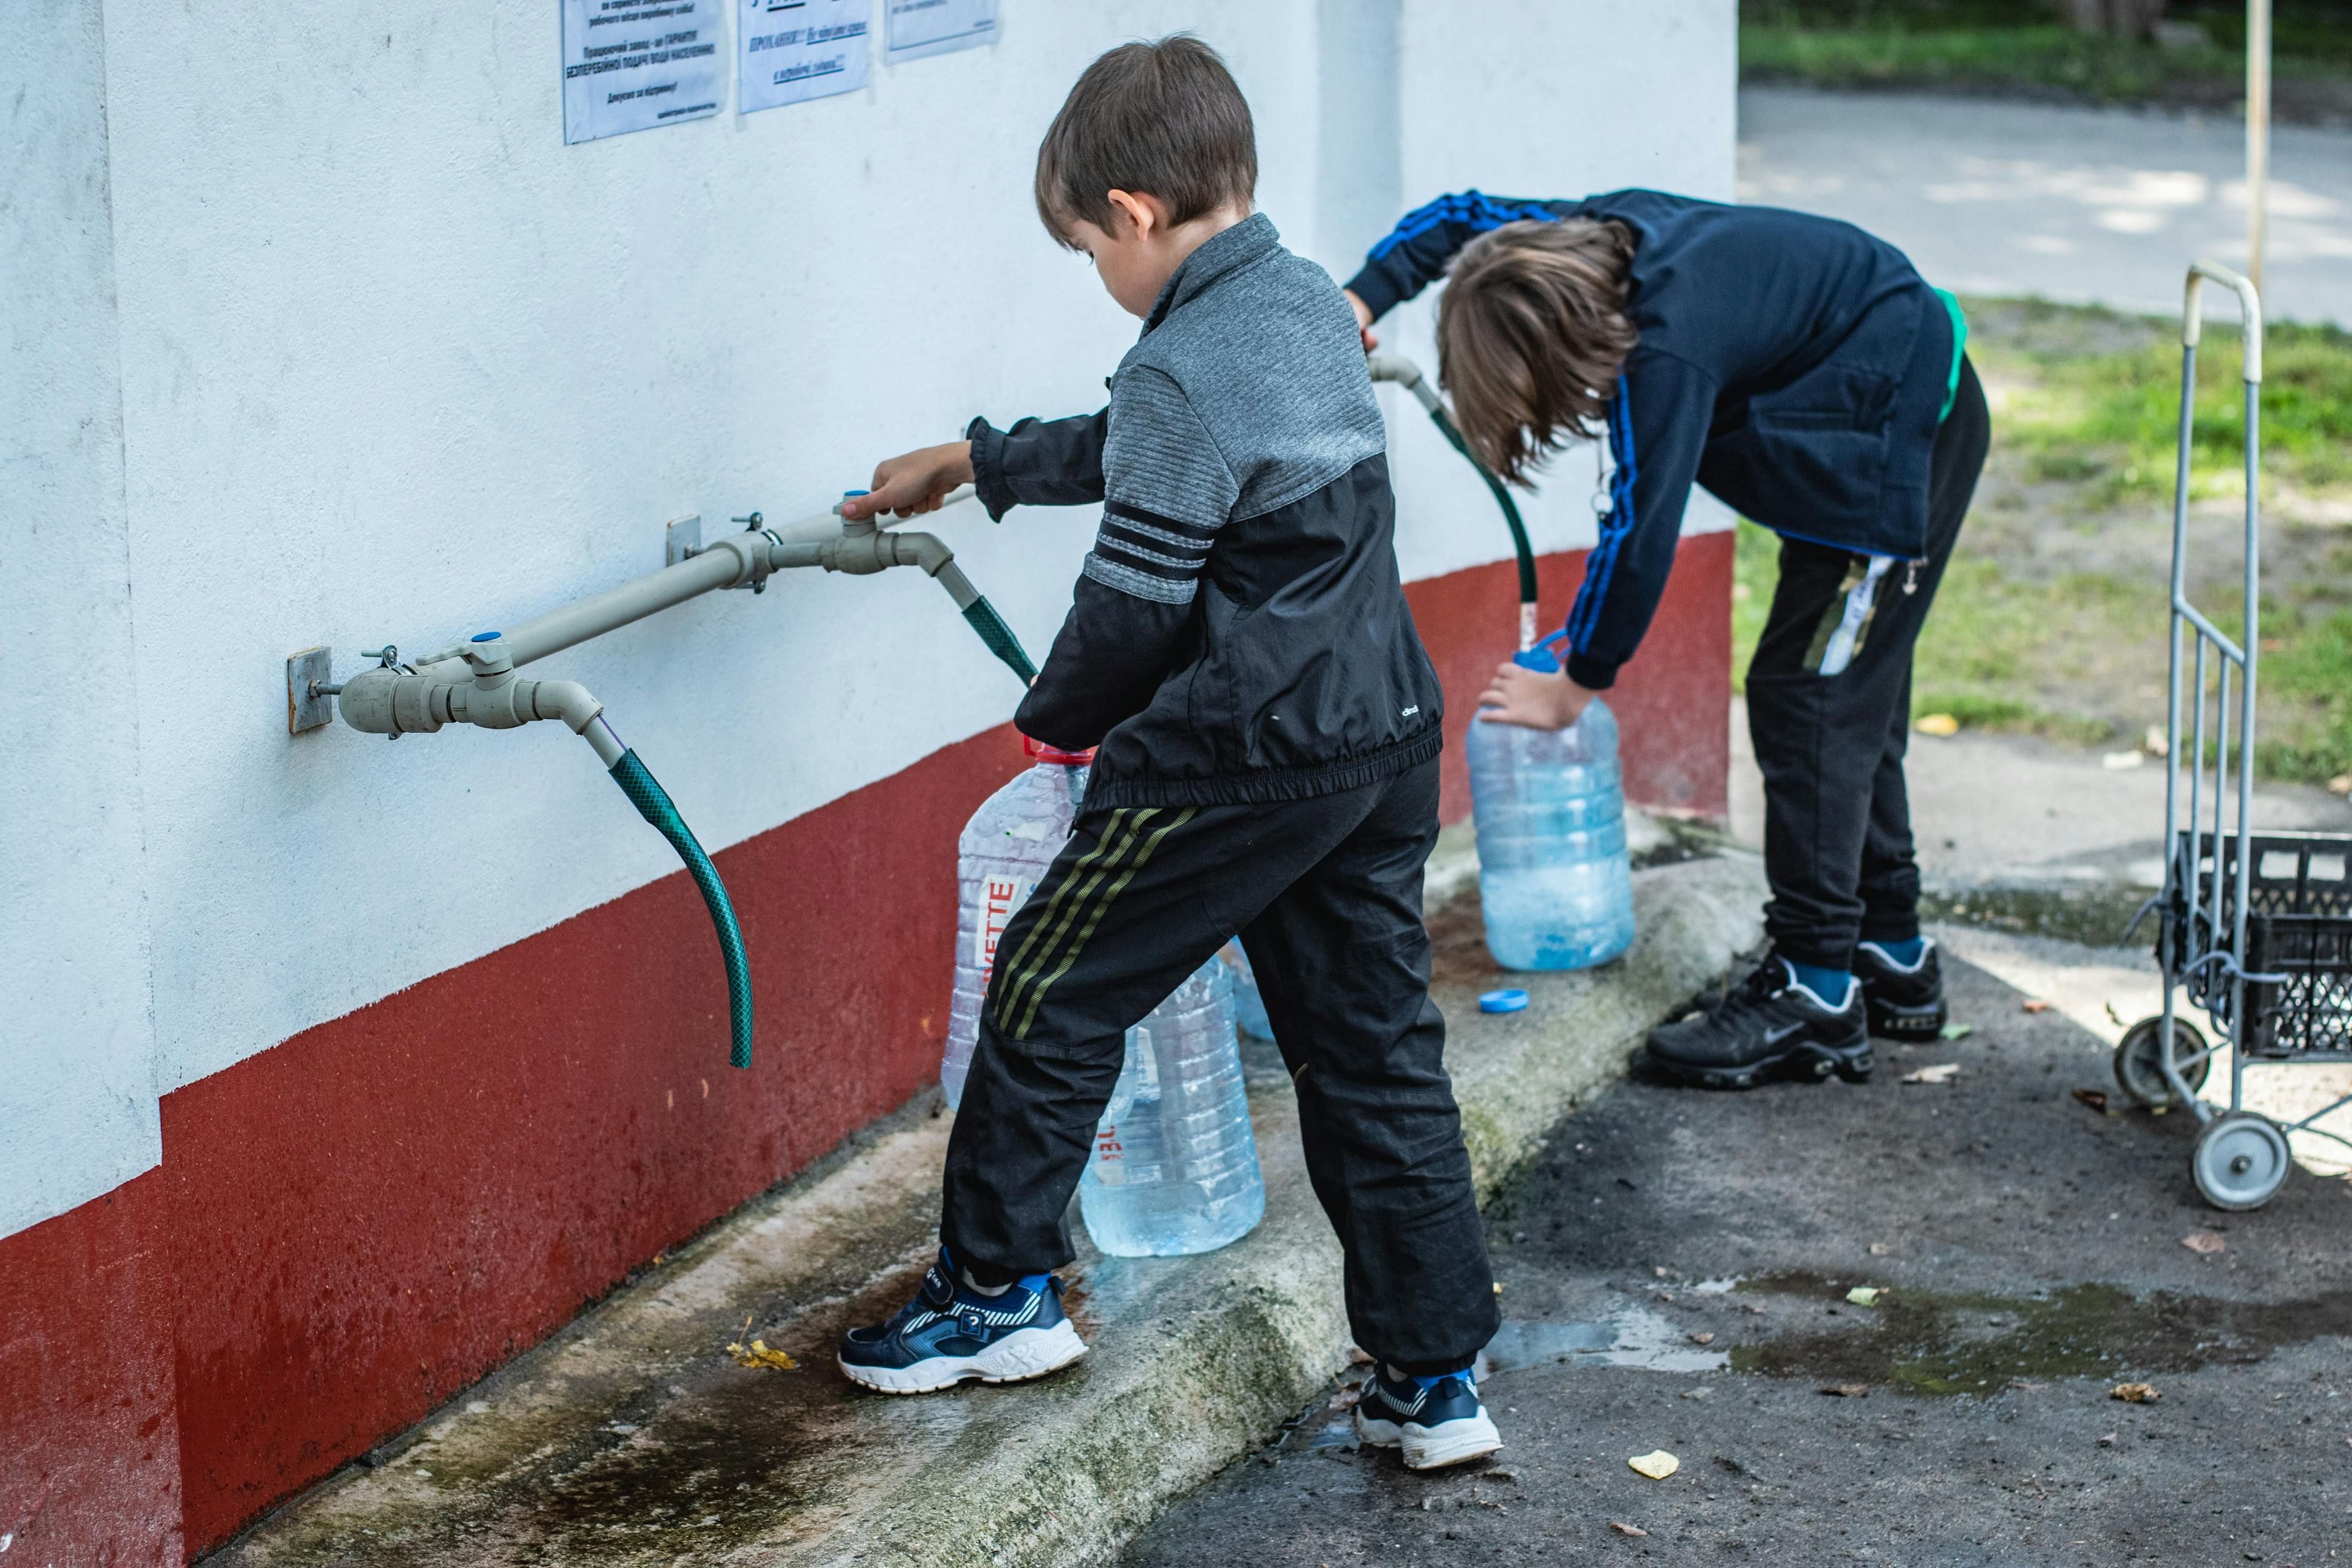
[
  {"x": 1415, "y": 253},
  {"x": 1038, "y": 462}
]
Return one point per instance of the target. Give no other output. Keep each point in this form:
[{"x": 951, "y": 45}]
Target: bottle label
[{"x": 1000, "y": 896}]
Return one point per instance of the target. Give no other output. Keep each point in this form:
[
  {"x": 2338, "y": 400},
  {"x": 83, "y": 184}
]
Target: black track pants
[
  {"x": 1828, "y": 711},
  {"x": 1326, "y": 893}
]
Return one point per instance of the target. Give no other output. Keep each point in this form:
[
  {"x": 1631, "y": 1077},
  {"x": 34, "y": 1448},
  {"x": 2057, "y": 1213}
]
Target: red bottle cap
[{"x": 1045, "y": 754}]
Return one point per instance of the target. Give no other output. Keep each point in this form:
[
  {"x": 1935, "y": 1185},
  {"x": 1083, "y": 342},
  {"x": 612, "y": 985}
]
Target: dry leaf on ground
[
  {"x": 2203, "y": 1241},
  {"x": 2036, "y": 1004},
  {"x": 2096, "y": 1098},
  {"x": 1847, "y": 1390},
  {"x": 1942, "y": 1073},
  {"x": 1879, "y": 1249},
  {"x": 1702, "y": 1339},
  {"x": 757, "y": 1353},
  {"x": 1621, "y": 1527},
  {"x": 1657, "y": 1463},
  {"x": 2134, "y": 1392}
]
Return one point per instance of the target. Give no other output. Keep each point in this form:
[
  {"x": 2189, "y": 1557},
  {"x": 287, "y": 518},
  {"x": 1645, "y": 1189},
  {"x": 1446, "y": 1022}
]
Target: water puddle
[
  {"x": 1937, "y": 1343},
  {"x": 1632, "y": 1336}
]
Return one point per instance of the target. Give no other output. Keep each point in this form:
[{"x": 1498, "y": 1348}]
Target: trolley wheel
[
  {"x": 2239, "y": 1160},
  {"x": 2139, "y": 1072}
]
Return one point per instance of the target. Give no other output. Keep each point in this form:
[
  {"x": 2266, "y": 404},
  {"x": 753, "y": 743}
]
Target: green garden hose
[
  {"x": 1502, "y": 498},
  {"x": 653, "y": 802},
  {"x": 999, "y": 638}
]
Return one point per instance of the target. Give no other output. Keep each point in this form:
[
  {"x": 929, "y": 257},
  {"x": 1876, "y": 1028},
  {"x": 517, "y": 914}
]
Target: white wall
[
  {"x": 1548, "y": 99},
  {"x": 77, "y": 1073},
  {"x": 397, "y": 364}
]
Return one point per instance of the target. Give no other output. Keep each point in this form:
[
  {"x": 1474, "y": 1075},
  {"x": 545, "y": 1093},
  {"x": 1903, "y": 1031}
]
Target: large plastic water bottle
[
  {"x": 1553, "y": 879},
  {"x": 1174, "y": 1168},
  {"x": 1249, "y": 1007},
  {"x": 1005, "y": 848}
]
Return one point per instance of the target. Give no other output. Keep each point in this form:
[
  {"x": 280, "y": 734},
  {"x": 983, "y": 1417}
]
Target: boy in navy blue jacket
[{"x": 1801, "y": 370}]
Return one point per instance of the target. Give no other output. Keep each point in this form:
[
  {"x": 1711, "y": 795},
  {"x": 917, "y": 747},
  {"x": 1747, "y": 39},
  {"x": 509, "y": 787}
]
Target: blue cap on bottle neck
[{"x": 1540, "y": 657}]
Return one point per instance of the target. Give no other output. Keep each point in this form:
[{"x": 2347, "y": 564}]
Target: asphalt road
[
  {"x": 2084, "y": 205},
  {"x": 2029, "y": 1249}
]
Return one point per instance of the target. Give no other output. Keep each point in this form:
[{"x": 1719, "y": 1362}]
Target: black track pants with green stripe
[
  {"x": 1326, "y": 893},
  {"x": 1828, "y": 711}
]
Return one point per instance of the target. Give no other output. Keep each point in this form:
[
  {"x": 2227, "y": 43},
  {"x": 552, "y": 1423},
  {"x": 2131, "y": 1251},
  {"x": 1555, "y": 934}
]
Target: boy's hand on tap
[
  {"x": 1533, "y": 699},
  {"x": 917, "y": 481}
]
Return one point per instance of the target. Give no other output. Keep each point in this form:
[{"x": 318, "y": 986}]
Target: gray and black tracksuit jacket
[
  {"x": 1240, "y": 649},
  {"x": 1239, "y": 632}
]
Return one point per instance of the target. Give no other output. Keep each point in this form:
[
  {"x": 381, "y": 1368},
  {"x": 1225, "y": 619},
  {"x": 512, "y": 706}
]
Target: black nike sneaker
[
  {"x": 1768, "y": 1024},
  {"x": 1904, "y": 1003},
  {"x": 1437, "y": 1421}
]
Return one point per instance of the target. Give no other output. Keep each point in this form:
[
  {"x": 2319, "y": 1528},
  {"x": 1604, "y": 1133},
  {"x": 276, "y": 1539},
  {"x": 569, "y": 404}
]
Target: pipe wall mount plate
[{"x": 307, "y": 707}]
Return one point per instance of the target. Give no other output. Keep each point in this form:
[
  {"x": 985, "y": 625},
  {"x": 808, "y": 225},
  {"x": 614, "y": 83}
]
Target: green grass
[
  {"x": 1993, "y": 636},
  {"x": 2107, "y": 416},
  {"x": 2008, "y": 45}
]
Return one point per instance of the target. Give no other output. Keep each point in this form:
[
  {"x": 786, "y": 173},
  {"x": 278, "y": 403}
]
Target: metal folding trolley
[{"x": 2254, "y": 928}]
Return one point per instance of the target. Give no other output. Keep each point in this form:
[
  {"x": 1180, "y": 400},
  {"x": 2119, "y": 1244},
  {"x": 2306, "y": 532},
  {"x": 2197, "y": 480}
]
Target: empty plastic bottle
[
  {"x": 1174, "y": 1169},
  {"x": 1005, "y": 848},
  {"x": 1249, "y": 1007},
  {"x": 1553, "y": 879}
]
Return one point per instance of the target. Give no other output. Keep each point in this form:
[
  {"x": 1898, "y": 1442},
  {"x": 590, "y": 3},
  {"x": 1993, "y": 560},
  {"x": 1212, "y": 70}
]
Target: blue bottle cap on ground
[{"x": 1509, "y": 1001}]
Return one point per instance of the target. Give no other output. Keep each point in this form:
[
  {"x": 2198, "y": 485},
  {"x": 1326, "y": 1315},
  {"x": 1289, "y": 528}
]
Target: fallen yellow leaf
[
  {"x": 1863, "y": 1296},
  {"x": 1657, "y": 1463},
  {"x": 1937, "y": 724},
  {"x": 2134, "y": 1392},
  {"x": 758, "y": 1355}
]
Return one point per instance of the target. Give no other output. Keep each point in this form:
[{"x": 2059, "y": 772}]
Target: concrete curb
[{"x": 632, "y": 1439}]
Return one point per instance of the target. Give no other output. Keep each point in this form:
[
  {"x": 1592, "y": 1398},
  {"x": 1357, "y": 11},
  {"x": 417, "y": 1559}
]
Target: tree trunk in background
[{"x": 2124, "y": 18}]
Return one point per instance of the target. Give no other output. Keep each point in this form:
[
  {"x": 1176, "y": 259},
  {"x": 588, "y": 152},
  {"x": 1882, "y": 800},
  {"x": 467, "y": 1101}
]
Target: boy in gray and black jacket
[{"x": 1239, "y": 650}]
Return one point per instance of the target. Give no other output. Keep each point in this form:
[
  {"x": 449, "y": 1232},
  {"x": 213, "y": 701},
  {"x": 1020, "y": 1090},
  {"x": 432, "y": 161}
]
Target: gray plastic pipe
[
  {"x": 390, "y": 700},
  {"x": 733, "y": 560}
]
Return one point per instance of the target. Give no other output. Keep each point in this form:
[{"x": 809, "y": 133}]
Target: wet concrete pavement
[{"x": 2029, "y": 1249}]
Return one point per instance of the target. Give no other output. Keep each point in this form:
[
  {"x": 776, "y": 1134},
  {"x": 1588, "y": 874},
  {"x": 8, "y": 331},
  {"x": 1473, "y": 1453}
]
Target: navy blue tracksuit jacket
[{"x": 1794, "y": 365}]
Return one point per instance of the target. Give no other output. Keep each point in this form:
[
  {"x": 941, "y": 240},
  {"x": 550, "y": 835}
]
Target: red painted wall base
[{"x": 350, "y": 1228}]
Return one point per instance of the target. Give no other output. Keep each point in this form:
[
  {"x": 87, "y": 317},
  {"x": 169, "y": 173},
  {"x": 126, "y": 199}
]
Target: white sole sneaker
[
  {"x": 1017, "y": 1357},
  {"x": 1454, "y": 1442}
]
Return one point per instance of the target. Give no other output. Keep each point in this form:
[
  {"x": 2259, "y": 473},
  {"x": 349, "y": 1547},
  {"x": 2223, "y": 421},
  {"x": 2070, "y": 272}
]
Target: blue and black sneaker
[
  {"x": 950, "y": 1333},
  {"x": 1437, "y": 1421}
]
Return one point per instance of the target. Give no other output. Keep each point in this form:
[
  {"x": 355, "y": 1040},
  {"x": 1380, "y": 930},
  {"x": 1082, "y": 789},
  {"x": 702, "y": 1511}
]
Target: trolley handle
[{"x": 2250, "y": 309}]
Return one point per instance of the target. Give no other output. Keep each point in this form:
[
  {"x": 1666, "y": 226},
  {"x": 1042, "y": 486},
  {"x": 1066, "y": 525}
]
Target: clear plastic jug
[
  {"x": 1554, "y": 882},
  {"x": 1174, "y": 1168},
  {"x": 1005, "y": 850}
]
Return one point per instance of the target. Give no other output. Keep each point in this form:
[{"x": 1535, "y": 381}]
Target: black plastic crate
[{"x": 2298, "y": 925}]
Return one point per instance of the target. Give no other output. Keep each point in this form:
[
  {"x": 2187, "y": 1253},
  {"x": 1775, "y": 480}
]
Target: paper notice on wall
[
  {"x": 917, "y": 27},
  {"x": 631, "y": 65},
  {"x": 793, "y": 50}
]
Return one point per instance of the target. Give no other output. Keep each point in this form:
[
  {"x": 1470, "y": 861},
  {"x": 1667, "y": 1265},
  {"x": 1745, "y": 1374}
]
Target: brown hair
[
  {"x": 1532, "y": 334},
  {"x": 1162, "y": 120}
]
